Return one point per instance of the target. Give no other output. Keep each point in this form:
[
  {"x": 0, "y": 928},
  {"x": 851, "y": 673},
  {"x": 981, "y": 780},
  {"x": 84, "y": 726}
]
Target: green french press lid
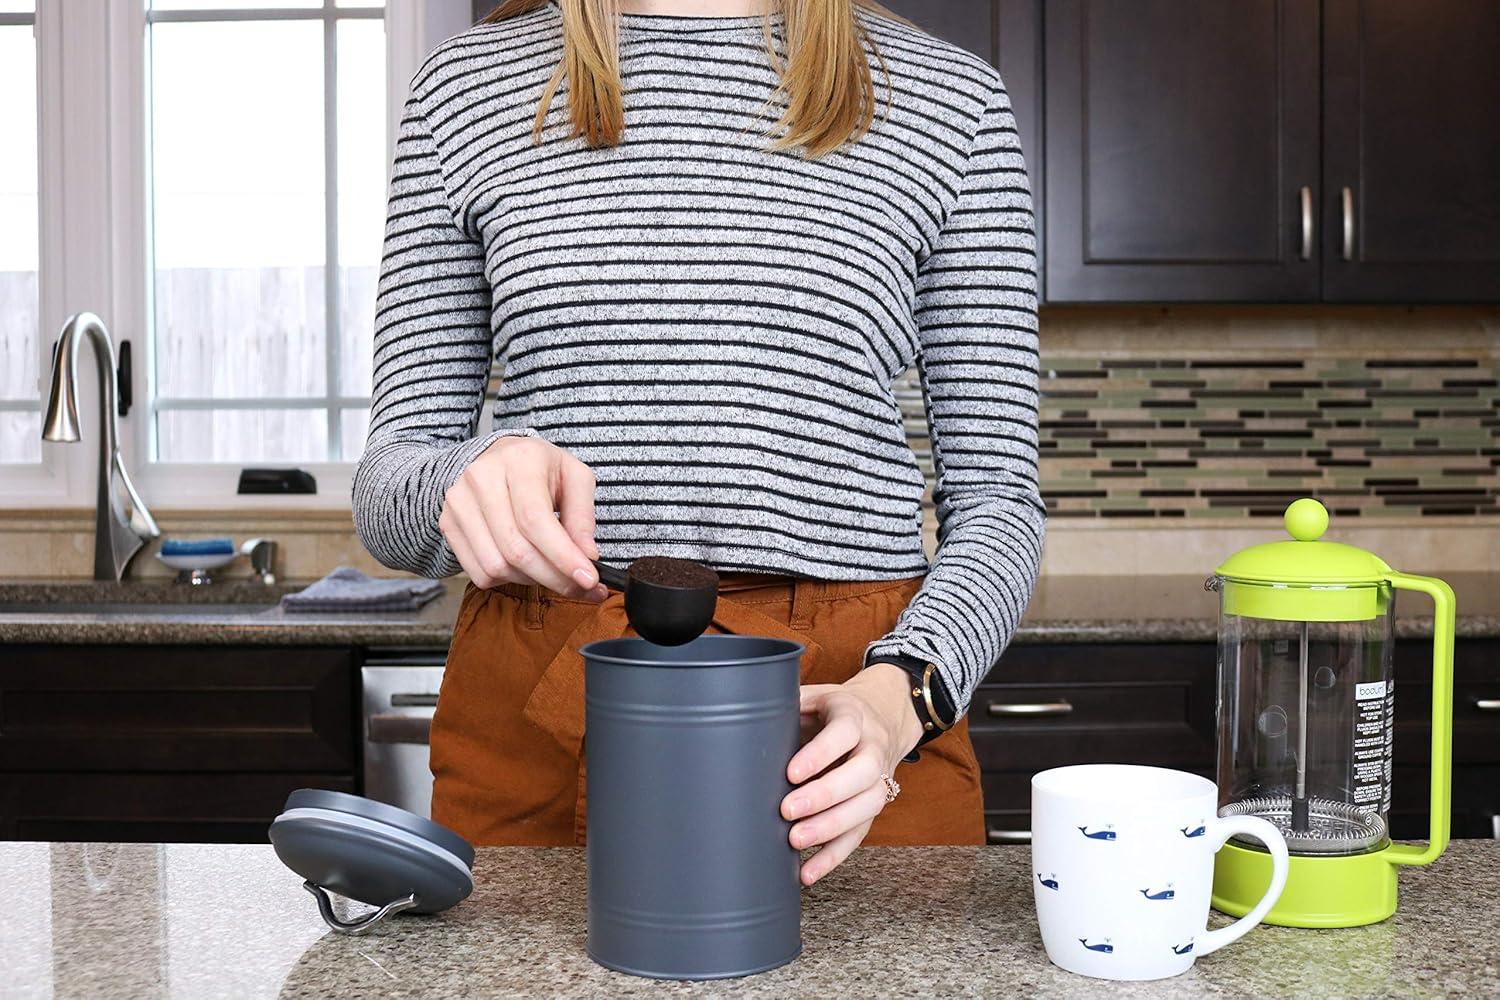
[{"x": 1305, "y": 578}]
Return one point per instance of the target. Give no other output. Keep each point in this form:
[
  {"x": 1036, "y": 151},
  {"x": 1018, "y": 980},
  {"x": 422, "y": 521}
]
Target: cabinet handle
[
  {"x": 1488, "y": 704},
  {"x": 1307, "y": 223},
  {"x": 995, "y": 836},
  {"x": 1000, "y": 709},
  {"x": 1348, "y": 224}
]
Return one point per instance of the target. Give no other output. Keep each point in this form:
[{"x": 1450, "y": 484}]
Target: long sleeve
[
  {"x": 432, "y": 362},
  {"x": 976, "y": 311}
]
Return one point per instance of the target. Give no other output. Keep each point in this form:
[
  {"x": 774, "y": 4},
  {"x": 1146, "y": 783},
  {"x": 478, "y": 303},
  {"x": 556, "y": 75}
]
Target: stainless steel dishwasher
[{"x": 400, "y": 692}]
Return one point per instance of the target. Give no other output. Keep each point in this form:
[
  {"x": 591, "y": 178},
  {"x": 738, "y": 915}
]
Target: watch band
[{"x": 929, "y": 697}]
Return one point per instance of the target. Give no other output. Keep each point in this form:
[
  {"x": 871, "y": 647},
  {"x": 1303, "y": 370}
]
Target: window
[
  {"x": 267, "y": 158},
  {"x": 20, "y": 350}
]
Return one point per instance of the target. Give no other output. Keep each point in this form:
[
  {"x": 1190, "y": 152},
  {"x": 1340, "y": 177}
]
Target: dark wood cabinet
[
  {"x": 164, "y": 743},
  {"x": 1272, "y": 150},
  {"x": 1411, "y": 156},
  {"x": 1181, "y": 150},
  {"x": 1052, "y": 705}
]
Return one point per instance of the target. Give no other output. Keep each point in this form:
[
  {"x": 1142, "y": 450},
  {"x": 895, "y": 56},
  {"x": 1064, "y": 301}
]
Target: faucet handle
[{"x": 262, "y": 553}]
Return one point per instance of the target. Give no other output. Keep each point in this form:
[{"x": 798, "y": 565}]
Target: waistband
[{"x": 747, "y": 588}]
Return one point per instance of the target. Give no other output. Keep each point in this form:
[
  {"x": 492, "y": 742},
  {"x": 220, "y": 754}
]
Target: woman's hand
[
  {"x": 502, "y": 518},
  {"x": 870, "y": 718}
]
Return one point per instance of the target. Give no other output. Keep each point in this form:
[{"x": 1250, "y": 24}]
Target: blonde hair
[{"x": 825, "y": 81}]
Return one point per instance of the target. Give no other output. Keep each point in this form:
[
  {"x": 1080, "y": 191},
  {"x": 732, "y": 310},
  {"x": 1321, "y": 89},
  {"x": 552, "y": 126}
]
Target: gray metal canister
[{"x": 690, "y": 872}]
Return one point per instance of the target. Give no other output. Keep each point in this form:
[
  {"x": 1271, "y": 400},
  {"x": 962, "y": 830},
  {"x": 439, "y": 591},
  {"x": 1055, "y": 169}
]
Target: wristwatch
[{"x": 929, "y": 698}]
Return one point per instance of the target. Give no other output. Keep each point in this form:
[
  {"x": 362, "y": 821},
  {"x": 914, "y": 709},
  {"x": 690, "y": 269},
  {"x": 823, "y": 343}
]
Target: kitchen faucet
[{"x": 118, "y": 534}]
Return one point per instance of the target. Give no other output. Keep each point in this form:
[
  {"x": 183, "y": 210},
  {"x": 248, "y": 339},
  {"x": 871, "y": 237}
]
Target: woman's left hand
[{"x": 870, "y": 718}]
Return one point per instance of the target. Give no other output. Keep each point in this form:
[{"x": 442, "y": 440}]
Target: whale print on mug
[{"x": 1123, "y": 859}]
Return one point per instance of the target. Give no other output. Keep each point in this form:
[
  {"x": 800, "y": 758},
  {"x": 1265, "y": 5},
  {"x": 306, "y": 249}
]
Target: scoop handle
[{"x": 612, "y": 577}]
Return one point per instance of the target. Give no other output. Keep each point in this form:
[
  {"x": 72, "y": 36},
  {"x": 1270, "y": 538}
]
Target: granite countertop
[
  {"x": 1071, "y": 609},
  {"x": 143, "y": 920}
]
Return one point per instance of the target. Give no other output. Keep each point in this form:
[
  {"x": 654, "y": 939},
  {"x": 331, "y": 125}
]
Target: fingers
[
  {"x": 829, "y": 824},
  {"x": 467, "y": 525},
  {"x": 575, "y": 504},
  {"x": 502, "y": 524},
  {"x": 536, "y": 542},
  {"x": 841, "y": 731},
  {"x": 858, "y": 773},
  {"x": 833, "y": 854}
]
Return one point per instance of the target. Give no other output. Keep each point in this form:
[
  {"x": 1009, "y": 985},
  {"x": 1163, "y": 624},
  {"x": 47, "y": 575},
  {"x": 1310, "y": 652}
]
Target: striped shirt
[{"x": 715, "y": 329}]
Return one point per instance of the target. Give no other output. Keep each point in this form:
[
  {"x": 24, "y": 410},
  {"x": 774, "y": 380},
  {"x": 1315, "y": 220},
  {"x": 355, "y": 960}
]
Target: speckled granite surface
[
  {"x": 141, "y": 920},
  {"x": 219, "y": 614},
  {"x": 1073, "y": 609}
]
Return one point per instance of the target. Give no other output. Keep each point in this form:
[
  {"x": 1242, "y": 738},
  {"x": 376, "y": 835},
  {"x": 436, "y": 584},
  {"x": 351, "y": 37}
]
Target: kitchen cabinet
[
  {"x": 1411, "y": 160},
  {"x": 1271, "y": 150},
  {"x": 1049, "y": 705},
  {"x": 163, "y": 743},
  {"x": 1181, "y": 150}
]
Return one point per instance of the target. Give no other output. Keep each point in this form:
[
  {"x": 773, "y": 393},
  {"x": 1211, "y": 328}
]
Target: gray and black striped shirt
[{"x": 716, "y": 329}]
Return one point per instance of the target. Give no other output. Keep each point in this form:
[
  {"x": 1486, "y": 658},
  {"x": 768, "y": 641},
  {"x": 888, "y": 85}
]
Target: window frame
[{"x": 94, "y": 228}]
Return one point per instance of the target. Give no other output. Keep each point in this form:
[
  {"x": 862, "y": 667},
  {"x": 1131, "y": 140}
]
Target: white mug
[{"x": 1122, "y": 868}]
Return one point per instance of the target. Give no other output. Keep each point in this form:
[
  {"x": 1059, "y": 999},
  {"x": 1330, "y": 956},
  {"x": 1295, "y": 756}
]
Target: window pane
[
  {"x": 18, "y": 224},
  {"x": 21, "y": 436},
  {"x": 18, "y": 7},
  {"x": 230, "y": 4},
  {"x": 242, "y": 435},
  {"x": 362, "y": 187},
  {"x": 354, "y": 425},
  {"x": 238, "y": 219}
]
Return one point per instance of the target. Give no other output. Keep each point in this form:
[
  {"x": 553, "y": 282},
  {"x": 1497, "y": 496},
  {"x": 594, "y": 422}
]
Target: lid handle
[
  {"x": 1306, "y": 519},
  {"x": 364, "y": 923}
]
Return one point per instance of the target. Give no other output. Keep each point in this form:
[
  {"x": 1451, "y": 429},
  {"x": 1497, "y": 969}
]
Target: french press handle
[{"x": 1442, "y": 718}]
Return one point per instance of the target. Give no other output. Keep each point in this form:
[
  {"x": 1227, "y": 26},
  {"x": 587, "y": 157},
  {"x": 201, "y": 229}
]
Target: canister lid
[
  {"x": 1305, "y": 559},
  {"x": 373, "y": 853}
]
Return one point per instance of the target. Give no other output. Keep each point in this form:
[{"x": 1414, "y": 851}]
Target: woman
[{"x": 704, "y": 239}]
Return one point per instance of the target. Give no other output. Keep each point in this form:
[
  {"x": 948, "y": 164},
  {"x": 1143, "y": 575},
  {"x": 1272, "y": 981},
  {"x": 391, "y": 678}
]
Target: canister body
[{"x": 691, "y": 875}]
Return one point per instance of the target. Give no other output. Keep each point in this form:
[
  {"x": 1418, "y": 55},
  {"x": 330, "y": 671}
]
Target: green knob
[{"x": 1306, "y": 519}]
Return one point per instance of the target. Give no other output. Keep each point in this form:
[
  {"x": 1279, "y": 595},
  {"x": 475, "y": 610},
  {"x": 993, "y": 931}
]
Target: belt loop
[
  {"x": 534, "y": 606},
  {"x": 803, "y": 595}
]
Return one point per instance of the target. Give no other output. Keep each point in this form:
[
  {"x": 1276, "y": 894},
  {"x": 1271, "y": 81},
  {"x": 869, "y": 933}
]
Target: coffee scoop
[{"x": 669, "y": 602}]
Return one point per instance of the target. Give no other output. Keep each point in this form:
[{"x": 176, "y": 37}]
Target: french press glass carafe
[{"x": 1306, "y": 723}]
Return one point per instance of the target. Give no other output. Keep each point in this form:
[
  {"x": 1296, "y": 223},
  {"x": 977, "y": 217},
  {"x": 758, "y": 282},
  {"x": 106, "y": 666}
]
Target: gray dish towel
[{"x": 347, "y": 589}]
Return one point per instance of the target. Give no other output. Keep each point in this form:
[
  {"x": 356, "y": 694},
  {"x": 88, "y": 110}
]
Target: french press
[{"x": 1306, "y": 723}]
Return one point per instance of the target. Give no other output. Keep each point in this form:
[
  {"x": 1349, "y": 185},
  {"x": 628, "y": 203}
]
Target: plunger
[{"x": 1301, "y": 821}]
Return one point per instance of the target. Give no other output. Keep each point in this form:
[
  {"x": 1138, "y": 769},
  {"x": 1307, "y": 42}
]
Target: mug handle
[{"x": 1266, "y": 833}]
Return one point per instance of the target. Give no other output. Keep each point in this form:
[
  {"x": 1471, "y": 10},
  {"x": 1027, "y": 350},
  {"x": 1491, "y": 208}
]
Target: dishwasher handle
[{"x": 385, "y": 728}]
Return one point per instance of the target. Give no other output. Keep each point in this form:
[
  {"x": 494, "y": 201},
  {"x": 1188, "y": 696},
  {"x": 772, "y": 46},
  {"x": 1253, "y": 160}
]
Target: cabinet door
[
  {"x": 1181, "y": 150},
  {"x": 1412, "y": 157},
  {"x": 177, "y": 709}
]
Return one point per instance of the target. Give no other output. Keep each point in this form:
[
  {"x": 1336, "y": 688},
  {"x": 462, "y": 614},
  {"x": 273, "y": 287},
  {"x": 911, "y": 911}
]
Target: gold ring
[{"x": 892, "y": 789}]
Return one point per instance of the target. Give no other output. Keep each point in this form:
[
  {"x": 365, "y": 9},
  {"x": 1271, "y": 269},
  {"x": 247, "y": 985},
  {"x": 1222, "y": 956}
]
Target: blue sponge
[{"x": 197, "y": 547}]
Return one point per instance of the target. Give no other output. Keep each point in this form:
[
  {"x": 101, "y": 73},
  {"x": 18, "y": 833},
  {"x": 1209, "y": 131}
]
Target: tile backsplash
[
  {"x": 1193, "y": 413},
  {"x": 1191, "y": 437}
]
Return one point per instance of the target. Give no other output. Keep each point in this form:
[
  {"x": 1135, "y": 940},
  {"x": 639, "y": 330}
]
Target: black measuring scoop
[{"x": 669, "y": 602}]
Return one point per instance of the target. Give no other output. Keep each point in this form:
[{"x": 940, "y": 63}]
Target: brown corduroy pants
[{"x": 507, "y": 738}]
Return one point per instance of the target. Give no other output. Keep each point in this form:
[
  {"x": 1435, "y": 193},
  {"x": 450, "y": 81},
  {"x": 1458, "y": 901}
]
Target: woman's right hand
[{"x": 501, "y": 518}]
